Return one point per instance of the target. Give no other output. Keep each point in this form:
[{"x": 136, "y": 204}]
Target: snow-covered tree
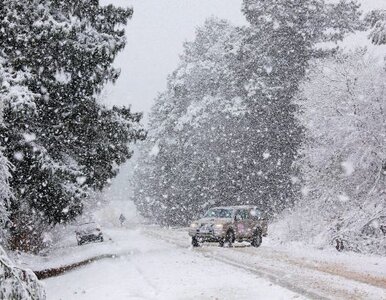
[
  {"x": 343, "y": 159},
  {"x": 180, "y": 171},
  {"x": 11, "y": 89},
  {"x": 376, "y": 21},
  {"x": 5, "y": 195},
  {"x": 17, "y": 283},
  {"x": 5, "y": 192},
  {"x": 283, "y": 36},
  {"x": 60, "y": 139}
]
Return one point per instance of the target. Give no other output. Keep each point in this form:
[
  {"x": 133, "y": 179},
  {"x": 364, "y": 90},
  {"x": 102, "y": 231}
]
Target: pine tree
[
  {"x": 60, "y": 140},
  {"x": 11, "y": 89},
  {"x": 16, "y": 283},
  {"x": 5, "y": 195}
]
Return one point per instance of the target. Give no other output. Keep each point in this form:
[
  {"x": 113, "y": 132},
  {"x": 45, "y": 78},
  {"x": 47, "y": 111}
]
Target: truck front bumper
[{"x": 206, "y": 235}]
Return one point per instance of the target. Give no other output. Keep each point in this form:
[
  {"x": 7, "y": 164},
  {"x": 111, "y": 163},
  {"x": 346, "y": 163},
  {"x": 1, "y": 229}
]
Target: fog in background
[{"x": 155, "y": 37}]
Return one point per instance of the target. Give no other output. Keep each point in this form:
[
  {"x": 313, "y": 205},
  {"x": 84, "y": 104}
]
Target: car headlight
[
  {"x": 193, "y": 225},
  {"x": 218, "y": 226}
]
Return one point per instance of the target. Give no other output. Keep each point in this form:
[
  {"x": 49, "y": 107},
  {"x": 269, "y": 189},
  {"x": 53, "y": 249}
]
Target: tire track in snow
[
  {"x": 335, "y": 269},
  {"x": 154, "y": 290},
  {"x": 273, "y": 278},
  {"x": 309, "y": 280}
]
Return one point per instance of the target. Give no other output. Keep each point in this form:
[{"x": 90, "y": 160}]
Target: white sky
[{"x": 155, "y": 36}]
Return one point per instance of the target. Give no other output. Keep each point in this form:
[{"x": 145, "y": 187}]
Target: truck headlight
[
  {"x": 218, "y": 226},
  {"x": 193, "y": 225}
]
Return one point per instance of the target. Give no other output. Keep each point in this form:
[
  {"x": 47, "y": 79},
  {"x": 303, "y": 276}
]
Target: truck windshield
[{"x": 218, "y": 213}]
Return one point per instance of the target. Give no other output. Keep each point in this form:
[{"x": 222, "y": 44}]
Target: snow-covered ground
[
  {"x": 317, "y": 274},
  {"x": 147, "y": 262},
  {"x": 154, "y": 263},
  {"x": 150, "y": 268}
]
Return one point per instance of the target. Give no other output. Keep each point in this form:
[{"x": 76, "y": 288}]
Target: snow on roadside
[
  {"x": 365, "y": 263},
  {"x": 118, "y": 241}
]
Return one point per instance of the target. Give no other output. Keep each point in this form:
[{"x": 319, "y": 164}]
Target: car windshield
[
  {"x": 218, "y": 213},
  {"x": 256, "y": 214},
  {"x": 87, "y": 226}
]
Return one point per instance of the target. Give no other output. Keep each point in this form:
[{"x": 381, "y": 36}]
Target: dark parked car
[{"x": 88, "y": 232}]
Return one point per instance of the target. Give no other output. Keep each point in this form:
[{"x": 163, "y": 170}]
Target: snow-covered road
[
  {"x": 155, "y": 269},
  {"x": 316, "y": 274},
  {"x": 154, "y": 263}
]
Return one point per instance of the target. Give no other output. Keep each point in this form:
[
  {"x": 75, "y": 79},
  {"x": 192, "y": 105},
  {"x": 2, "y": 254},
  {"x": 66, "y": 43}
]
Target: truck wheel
[
  {"x": 195, "y": 242},
  {"x": 229, "y": 238},
  {"x": 256, "y": 239}
]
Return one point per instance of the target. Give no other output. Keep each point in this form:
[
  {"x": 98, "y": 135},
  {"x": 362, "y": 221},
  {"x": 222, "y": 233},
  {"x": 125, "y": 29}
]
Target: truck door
[{"x": 241, "y": 220}]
